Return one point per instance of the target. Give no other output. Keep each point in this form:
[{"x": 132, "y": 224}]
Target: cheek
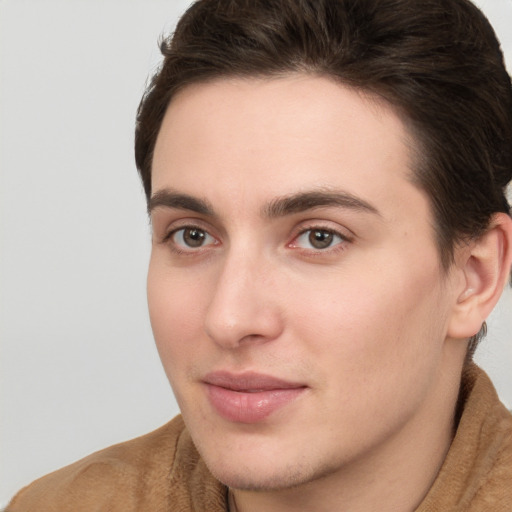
[
  {"x": 176, "y": 313},
  {"x": 370, "y": 322},
  {"x": 372, "y": 354}
]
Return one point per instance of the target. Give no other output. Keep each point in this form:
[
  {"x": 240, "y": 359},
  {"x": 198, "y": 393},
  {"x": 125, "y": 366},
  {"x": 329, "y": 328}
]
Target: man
[{"x": 326, "y": 182}]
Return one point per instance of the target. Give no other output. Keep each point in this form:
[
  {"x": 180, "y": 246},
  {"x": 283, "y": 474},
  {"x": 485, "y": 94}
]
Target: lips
[{"x": 249, "y": 397}]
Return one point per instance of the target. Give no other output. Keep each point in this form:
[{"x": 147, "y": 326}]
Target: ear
[{"x": 485, "y": 265}]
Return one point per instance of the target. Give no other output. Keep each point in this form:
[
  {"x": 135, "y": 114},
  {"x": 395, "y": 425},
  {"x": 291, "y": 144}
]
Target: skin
[{"x": 363, "y": 324}]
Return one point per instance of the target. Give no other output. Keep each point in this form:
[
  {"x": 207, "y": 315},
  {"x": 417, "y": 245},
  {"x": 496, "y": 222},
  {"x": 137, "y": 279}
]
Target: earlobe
[{"x": 485, "y": 266}]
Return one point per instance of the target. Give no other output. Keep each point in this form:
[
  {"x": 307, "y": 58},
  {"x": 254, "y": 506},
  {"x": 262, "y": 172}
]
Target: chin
[
  {"x": 249, "y": 479},
  {"x": 274, "y": 474}
]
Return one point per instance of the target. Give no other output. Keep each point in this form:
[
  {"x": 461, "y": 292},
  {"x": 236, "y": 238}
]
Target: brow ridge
[
  {"x": 303, "y": 201},
  {"x": 279, "y": 207},
  {"x": 170, "y": 199}
]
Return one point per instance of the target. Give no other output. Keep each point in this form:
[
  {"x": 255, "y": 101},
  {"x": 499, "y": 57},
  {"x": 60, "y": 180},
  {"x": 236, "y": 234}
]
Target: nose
[{"x": 243, "y": 307}]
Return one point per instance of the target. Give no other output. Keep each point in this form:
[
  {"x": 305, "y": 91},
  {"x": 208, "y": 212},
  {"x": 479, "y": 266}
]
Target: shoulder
[
  {"x": 493, "y": 481},
  {"x": 477, "y": 473},
  {"x": 117, "y": 478}
]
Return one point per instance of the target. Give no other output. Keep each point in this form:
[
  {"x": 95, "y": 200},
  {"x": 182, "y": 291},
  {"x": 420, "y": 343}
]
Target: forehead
[{"x": 246, "y": 140}]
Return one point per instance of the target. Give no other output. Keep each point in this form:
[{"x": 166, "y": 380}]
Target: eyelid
[
  {"x": 166, "y": 238},
  {"x": 208, "y": 240},
  {"x": 346, "y": 236},
  {"x": 324, "y": 225},
  {"x": 341, "y": 238},
  {"x": 189, "y": 222}
]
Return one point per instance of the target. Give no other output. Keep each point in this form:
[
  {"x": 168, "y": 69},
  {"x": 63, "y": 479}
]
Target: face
[{"x": 295, "y": 289}]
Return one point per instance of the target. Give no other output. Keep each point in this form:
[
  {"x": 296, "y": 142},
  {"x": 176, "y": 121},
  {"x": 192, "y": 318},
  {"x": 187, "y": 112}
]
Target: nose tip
[
  {"x": 242, "y": 309},
  {"x": 236, "y": 331}
]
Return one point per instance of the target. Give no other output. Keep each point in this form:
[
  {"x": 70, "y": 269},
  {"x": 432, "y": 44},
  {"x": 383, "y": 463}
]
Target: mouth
[{"x": 249, "y": 397}]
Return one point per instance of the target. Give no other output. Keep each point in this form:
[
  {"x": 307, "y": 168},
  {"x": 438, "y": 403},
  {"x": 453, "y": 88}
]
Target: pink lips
[{"x": 249, "y": 397}]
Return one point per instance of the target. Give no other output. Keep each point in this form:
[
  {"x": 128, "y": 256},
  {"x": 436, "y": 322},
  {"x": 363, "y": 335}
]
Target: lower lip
[{"x": 244, "y": 407}]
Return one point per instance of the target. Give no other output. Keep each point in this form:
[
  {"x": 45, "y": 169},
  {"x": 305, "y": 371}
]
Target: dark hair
[{"x": 436, "y": 62}]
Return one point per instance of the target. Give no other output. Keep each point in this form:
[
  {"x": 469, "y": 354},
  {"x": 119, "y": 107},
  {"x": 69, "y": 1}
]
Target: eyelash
[
  {"x": 330, "y": 249},
  {"x": 168, "y": 239}
]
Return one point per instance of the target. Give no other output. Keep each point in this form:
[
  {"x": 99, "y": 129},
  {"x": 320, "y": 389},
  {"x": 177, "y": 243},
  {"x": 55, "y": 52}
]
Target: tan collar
[{"x": 477, "y": 472}]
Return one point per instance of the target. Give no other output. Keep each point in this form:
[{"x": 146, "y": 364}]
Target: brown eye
[
  {"x": 191, "y": 237},
  {"x": 320, "y": 239}
]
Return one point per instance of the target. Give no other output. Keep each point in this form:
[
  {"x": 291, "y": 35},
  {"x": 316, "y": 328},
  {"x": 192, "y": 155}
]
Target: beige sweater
[{"x": 162, "y": 471}]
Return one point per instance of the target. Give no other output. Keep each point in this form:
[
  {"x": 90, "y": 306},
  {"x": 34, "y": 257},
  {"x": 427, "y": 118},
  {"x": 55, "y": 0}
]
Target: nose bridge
[{"x": 242, "y": 307}]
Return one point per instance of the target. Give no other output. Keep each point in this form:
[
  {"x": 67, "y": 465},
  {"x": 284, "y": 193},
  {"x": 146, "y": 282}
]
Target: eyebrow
[
  {"x": 279, "y": 207},
  {"x": 169, "y": 199},
  {"x": 303, "y": 201}
]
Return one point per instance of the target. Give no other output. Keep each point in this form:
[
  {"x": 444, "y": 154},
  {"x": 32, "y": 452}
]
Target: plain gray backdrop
[{"x": 78, "y": 366}]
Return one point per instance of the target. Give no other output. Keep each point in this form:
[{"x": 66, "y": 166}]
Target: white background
[{"x": 78, "y": 368}]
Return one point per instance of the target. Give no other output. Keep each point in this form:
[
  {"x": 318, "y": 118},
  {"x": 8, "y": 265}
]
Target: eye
[
  {"x": 191, "y": 238},
  {"x": 318, "y": 239}
]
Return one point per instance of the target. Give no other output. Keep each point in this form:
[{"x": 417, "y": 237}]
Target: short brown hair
[{"x": 436, "y": 62}]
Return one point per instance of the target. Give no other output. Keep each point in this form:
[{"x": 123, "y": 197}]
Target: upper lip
[{"x": 248, "y": 381}]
